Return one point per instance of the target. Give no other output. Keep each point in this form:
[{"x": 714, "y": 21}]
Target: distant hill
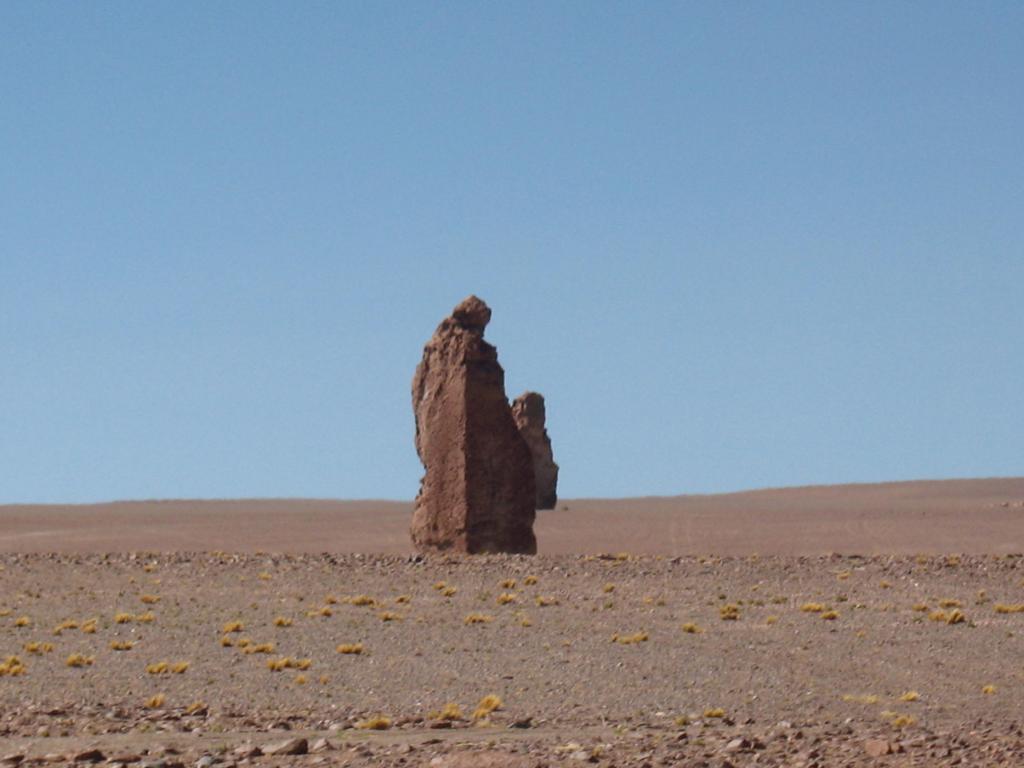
[{"x": 928, "y": 516}]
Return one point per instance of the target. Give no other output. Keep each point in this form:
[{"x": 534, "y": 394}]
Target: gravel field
[{"x": 502, "y": 660}]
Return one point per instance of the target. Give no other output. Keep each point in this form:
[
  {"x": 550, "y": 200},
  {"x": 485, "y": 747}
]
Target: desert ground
[{"x": 831, "y": 626}]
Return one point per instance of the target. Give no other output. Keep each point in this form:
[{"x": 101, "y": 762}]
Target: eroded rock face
[
  {"x": 477, "y": 494},
  {"x": 529, "y": 414}
]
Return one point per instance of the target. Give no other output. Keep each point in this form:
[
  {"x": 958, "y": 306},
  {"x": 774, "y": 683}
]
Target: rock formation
[
  {"x": 477, "y": 494},
  {"x": 528, "y": 412}
]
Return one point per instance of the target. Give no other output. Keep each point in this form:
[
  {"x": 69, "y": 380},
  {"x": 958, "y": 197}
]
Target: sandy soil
[
  {"x": 973, "y": 516},
  {"x": 920, "y": 663}
]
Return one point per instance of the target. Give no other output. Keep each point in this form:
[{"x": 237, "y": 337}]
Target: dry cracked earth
[{"x": 216, "y": 660}]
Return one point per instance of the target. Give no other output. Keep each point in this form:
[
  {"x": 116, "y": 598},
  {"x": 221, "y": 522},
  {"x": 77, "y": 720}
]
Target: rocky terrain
[{"x": 217, "y": 660}]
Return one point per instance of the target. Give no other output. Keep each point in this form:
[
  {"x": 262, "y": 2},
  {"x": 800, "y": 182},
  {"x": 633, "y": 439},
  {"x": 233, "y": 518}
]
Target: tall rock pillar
[
  {"x": 529, "y": 414},
  {"x": 478, "y": 492}
]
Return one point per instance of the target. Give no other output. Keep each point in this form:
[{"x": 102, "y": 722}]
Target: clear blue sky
[{"x": 735, "y": 244}]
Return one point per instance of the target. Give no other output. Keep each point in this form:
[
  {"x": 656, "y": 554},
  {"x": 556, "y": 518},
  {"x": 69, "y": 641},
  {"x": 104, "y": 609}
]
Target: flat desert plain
[{"x": 829, "y": 626}]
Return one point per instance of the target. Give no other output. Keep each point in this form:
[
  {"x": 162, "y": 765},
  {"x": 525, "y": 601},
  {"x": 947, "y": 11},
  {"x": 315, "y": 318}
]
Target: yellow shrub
[
  {"x": 350, "y": 648},
  {"x": 259, "y": 648},
  {"x": 861, "y": 699},
  {"x": 449, "y": 712},
  {"x": 1017, "y": 608},
  {"x": 638, "y": 637},
  {"x": 729, "y": 612},
  {"x": 488, "y": 704},
  {"x": 12, "y": 666}
]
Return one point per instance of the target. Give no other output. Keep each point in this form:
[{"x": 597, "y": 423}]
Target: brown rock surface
[
  {"x": 477, "y": 494},
  {"x": 529, "y": 414}
]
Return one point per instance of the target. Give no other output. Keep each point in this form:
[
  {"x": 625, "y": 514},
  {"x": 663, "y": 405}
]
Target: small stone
[
  {"x": 737, "y": 745},
  {"x": 88, "y": 756},
  {"x": 126, "y": 757},
  {"x": 525, "y": 722},
  {"x": 321, "y": 745},
  {"x": 248, "y": 750},
  {"x": 297, "y": 746},
  {"x": 12, "y": 759},
  {"x": 876, "y": 747},
  {"x": 206, "y": 761}
]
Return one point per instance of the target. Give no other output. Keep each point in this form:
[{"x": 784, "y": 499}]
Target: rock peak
[
  {"x": 529, "y": 413},
  {"x": 472, "y": 313}
]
